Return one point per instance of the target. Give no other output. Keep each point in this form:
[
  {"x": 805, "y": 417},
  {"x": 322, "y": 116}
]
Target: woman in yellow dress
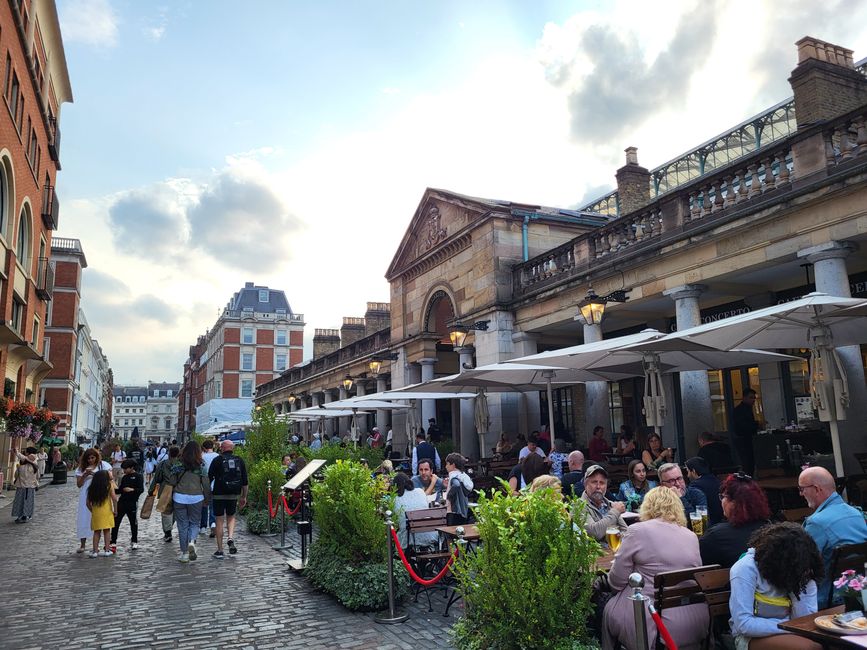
[{"x": 100, "y": 501}]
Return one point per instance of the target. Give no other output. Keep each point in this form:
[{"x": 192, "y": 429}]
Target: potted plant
[{"x": 852, "y": 586}]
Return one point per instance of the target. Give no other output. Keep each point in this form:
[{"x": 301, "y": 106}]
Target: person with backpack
[
  {"x": 229, "y": 476},
  {"x": 191, "y": 491}
]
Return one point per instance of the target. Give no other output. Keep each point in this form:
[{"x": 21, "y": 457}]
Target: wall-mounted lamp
[
  {"x": 458, "y": 332},
  {"x": 591, "y": 310}
]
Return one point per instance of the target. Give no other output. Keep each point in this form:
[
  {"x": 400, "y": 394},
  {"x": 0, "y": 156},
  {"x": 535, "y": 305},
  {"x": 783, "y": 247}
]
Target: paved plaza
[{"x": 53, "y": 597}]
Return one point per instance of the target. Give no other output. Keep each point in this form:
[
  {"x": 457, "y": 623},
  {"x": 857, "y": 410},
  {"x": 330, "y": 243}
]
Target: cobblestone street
[{"x": 53, "y": 597}]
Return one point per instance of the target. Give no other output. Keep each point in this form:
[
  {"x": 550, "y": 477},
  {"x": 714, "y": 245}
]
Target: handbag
[
  {"x": 148, "y": 506},
  {"x": 164, "y": 504}
]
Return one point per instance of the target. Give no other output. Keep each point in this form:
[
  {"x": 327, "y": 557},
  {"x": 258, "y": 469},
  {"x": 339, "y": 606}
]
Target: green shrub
[
  {"x": 71, "y": 453},
  {"x": 444, "y": 447},
  {"x": 528, "y": 585},
  {"x": 333, "y": 453},
  {"x": 257, "y": 476},
  {"x": 363, "y": 586},
  {"x": 257, "y": 521},
  {"x": 266, "y": 439}
]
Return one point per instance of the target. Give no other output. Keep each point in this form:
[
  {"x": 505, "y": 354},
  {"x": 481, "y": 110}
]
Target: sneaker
[
  {"x": 93, "y": 554},
  {"x": 167, "y": 538},
  {"x": 191, "y": 551},
  {"x": 134, "y": 546},
  {"x": 106, "y": 554},
  {"x": 183, "y": 557},
  {"x": 213, "y": 526},
  {"x": 218, "y": 555},
  {"x": 232, "y": 549},
  {"x": 113, "y": 548},
  {"x": 213, "y": 533}
]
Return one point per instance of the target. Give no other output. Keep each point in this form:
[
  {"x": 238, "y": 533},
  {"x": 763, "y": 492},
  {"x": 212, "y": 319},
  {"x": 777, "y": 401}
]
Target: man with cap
[
  {"x": 600, "y": 513},
  {"x": 229, "y": 476},
  {"x": 433, "y": 431},
  {"x": 424, "y": 449}
]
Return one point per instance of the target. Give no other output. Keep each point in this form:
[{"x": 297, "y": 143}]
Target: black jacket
[
  {"x": 136, "y": 482},
  {"x": 743, "y": 422}
]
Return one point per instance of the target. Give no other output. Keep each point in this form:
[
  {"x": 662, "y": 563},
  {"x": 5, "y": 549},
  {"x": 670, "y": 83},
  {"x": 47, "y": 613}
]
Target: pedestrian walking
[
  {"x": 41, "y": 459},
  {"x": 191, "y": 490},
  {"x": 159, "y": 483},
  {"x": 229, "y": 475},
  {"x": 117, "y": 457},
  {"x": 26, "y": 482},
  {"x": 150, "y": 465},
  {"x": 208, "y": 522},
  {"x": 89, "y": 464},
  {"x": 162, "y": 454},
  {"x": 130, "y": 489},
  {"x": 101, "y": 503}
]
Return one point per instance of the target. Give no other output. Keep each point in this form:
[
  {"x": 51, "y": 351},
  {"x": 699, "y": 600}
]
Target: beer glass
[
  {"x": 702, "y": 510},
  {"x": 612, "y": 535},
  {"x": 697, "y": 523}
]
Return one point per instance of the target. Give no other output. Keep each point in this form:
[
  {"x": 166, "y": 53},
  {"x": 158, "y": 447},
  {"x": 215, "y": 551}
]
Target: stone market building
[{"x": 760, "y": 214}]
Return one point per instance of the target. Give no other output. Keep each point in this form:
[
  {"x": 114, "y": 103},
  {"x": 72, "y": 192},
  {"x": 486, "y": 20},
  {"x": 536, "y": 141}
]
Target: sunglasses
[{"x": 740, "y": 476}]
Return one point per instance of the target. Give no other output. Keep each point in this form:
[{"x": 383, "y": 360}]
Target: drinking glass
[
  {"x": 613, "y": 536},
  {"x": 697, "y": 523}
]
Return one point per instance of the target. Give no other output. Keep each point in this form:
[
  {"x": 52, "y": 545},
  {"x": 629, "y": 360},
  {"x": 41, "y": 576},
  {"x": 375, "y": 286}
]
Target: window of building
[
  {"x": 281, "y": 337},
  {"x": 5, "y": 195},
  {"x": 280, "y": 362},
  {"x": 141, "y": 421},
  {"x": 24, "y": 246},
  {"x": 168, "y": 393},
  {"x": 34, "y": 335},
  {"x": 247, "y": 361},
  {"x": 17, "y": 315},
  {"x": 126, "y": 423},
  {"x": 247, "y": 335},
  {"x": 263, "y": 295},
  {"x": 154, "y": 422},
  {"x": 246, "y": 388},
  {"x": 219, "y": 389},
  {"x": 156, "y": 393},
  {"x": 168, "y": 423}
]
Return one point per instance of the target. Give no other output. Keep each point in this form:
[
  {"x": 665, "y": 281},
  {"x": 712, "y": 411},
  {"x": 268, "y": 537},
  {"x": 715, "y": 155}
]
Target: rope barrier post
[
  {"x": 282, "y": 546},
  {"x": 269, "y": 533},
  {"x": 391, "y": 617},
  {"x": 636, "y": 581}
]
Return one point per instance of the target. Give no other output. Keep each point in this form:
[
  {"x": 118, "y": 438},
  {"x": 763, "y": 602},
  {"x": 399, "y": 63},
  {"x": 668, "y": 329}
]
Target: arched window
[
  {"x": 24, "y": 243},
  {"x": 440, "y": 312},
  {"x": 5, "y": 196}
]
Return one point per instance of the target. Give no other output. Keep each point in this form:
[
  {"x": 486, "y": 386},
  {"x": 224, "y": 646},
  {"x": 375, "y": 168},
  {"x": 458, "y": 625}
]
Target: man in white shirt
[
  {"x": 531, "y": 448},
  {"x": 117, "y": 457},
  {"x": 208, "y": 455}
]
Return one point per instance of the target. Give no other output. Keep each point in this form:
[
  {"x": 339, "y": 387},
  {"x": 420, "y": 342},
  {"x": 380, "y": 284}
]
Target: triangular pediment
[{"x": 440, "y": 217}]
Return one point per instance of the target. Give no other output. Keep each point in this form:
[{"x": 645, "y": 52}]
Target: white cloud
[
  {"x": 154, "y": 33},
  {"x": 92, "y": 22}
]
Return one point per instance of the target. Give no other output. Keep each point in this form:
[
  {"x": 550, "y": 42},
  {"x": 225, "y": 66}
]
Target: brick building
[{"x": 255, "y": 338}]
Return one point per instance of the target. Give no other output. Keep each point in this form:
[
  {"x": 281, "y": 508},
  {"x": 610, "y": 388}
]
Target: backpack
[{"x": 230, "y": 479}]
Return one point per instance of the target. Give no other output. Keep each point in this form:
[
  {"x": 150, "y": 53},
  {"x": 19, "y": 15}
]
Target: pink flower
[
  {"x": 855, "y": 584},
  {"x": 849, "y": 572},
  {"x": 840, "y": 582}
]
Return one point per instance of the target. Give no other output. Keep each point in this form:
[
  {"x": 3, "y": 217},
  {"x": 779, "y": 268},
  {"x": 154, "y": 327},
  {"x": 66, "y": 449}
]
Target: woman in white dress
[
  {"x": 150, "y": 464},
  {"x": 91, "y": 462}
]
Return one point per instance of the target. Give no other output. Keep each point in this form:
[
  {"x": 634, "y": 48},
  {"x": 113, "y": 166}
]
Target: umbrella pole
[
  {"x": 550, "y": 410},
  {"x": 835, "y": 443}
]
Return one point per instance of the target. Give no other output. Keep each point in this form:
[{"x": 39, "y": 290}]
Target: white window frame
[
  {"x": 252, "y": 338},
  {"x": 285, "y": 337},
  {"x": 252, "y": 357},
  {"x": 249, "y": 383},
  {"x": 266, "y": 293}
]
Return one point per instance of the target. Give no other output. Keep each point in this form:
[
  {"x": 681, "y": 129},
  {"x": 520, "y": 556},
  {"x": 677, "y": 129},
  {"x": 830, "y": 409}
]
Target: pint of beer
[
  {"x": 702, "y": 510},
  {"x": 612, "y": 535},
  {"x": 697, "y": 523}
]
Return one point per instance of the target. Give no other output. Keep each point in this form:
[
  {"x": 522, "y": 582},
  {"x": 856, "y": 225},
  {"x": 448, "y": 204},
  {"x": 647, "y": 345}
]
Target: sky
[{"x": 287, "y": 143}]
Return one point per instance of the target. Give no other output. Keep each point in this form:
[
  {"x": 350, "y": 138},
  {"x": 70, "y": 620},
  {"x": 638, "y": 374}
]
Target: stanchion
[
  {"x": 282, "y": 546},
  {"x": 269, "y": 533},
  {"x": 636, "y": 581},
  {"x": 392, "y": 616}
]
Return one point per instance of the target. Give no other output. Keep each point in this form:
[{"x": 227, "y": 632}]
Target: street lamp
[
  {"x": 591, "y": 310},
  {"x": 458, "y": 332},
  {"x": 375, "y": 363},
  {"x": 291, "y": 399},
  {"x": 347, "y": 382}
]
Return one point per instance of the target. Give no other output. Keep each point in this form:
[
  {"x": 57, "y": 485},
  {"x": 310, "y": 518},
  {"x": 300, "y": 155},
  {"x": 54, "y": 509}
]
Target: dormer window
[{"x": 263, "y": 295}]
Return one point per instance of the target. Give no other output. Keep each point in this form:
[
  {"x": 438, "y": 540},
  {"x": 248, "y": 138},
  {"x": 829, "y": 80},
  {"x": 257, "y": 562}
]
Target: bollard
[
  {"x": 392, "y": 616},
  {"x": 636, "y": 581}
]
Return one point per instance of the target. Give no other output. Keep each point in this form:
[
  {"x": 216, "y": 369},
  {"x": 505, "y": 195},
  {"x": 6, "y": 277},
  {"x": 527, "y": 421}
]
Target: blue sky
[{"x": 214, "y": 143}]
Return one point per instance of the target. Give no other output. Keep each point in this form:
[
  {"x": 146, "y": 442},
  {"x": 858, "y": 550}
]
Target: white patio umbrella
[
  {"x": 482, "y": 418},
  {"x": 817, "y": 321},
  {"x": 634, "y": 355}
]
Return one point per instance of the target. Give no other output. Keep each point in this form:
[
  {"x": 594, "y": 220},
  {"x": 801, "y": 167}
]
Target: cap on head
[
  {"x": 227, "y": 445},
  {"x": 595, "y": 469}
]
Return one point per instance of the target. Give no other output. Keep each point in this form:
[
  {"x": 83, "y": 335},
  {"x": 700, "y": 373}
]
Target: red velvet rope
[
  {"x": 286, "y": 506},
  {"x": 669, "y": 642},
  {"x": 413, "y": 574},
  {"x": 273, "y": 510}
]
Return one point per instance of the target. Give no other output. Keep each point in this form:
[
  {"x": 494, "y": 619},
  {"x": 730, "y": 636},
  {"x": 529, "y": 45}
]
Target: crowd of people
[{"x": 195, "y": 490}]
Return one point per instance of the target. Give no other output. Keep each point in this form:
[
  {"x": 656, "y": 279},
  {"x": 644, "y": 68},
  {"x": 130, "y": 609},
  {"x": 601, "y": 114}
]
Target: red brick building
[
  {"x": 254, "y": 340},
  {"x": 35, "y": 85}
]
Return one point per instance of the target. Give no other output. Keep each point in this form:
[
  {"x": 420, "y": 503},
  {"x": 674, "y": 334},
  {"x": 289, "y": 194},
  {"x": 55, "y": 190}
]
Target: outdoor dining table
[
  {"x": 777, "y": 487},
  {"x": 805, "y": 626}
]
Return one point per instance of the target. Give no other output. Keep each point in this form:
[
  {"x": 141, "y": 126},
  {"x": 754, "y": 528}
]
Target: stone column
[
  {"x": 428, "y": 406},
  {"x": 328, "y": 394},
  {"x": 597, "y": 409},
  {"x": 382, "y": 414},
  {"x": 694, "y": 385},
  {"x": 530, "y": 415},
  {"x": 829, "y": 268},
  {"x": 469, "y": 436}
]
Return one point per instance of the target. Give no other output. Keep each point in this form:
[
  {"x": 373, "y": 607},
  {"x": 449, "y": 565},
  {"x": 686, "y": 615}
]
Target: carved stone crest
[{"x": 435, "y": 232}]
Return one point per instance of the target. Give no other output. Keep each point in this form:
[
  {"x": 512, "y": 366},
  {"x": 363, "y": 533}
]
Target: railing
[
  {"x": 45, "y": 278},
  {"x": 53, "y": 139},
  {"x": 66, "y": 244},
  {"x": 846, "y": 140},
  {"x": 50, "y": 208}
]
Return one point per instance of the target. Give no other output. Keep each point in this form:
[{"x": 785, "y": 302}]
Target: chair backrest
[
  {"x": 847, "y": 556},
  {"x": 501, "y": 468},
  {"x": 678, "y": 588},
  {"x": 425, "y": 520},
  {"x": 796, "y": 515},
  {"x": 716, "y": 586}
]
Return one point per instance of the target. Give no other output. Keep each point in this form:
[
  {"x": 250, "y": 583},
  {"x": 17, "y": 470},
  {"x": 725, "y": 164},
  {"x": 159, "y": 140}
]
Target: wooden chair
[
  {"x": 677, "y": 589},
  {"x": 425, "y": 562},
  {"x": 796, "y": 515},
  {"x": 847, "y": 556},
  {"x": 716, "y": 586}
]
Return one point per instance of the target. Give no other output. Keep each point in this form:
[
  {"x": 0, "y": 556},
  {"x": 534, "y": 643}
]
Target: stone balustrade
[{"x": 846, "y": 139}]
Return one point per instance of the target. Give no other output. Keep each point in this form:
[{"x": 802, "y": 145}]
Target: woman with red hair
[{"x": 746, "y": 509}]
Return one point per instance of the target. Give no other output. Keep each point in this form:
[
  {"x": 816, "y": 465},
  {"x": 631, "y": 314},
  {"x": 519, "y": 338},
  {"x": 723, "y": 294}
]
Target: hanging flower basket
[{"x": 19, "y": 422}]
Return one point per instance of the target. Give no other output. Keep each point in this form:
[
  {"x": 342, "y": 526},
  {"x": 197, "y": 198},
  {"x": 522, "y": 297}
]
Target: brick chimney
[
  {"x": 825, "y": 82},
  {"x": 633, "y": 183},
  {"x": 377, "y": 317},
  {"x": 325, "y": 342},
  {"x": 351, "y": 331}
]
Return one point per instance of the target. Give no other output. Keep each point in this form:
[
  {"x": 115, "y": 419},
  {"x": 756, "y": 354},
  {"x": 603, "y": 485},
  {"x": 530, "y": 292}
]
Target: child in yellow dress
[{"x": 100, "y": 502}]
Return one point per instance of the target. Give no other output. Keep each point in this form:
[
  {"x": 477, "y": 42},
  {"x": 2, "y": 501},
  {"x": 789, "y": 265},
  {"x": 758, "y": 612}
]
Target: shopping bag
[
  {"x": 148, "y": 506},
  {"x": 164, "y": 504}
]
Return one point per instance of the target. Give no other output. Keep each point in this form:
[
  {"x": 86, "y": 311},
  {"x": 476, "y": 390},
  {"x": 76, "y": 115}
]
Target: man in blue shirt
[
  {"x": 835, "y": 523},
  {"x": 427, "y": 480},
  {"x": 671, "y": 476}
]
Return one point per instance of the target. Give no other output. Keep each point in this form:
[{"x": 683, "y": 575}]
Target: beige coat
[
  {"x": 653, "y": 547},
  {"x": 26, "y": 476}
]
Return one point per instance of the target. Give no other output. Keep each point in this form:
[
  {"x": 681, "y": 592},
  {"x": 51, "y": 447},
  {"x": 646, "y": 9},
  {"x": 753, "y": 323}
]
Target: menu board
[{"x": 804, "y": 409}]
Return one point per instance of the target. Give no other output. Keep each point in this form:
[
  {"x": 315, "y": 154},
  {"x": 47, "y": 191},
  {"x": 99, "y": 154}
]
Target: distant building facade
[
  {"x": 255, "y": 338},
  {"x": 162, "y": 411},
  {"x": 88, "y": 386},
  {"x": 130, "y": 411}
]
